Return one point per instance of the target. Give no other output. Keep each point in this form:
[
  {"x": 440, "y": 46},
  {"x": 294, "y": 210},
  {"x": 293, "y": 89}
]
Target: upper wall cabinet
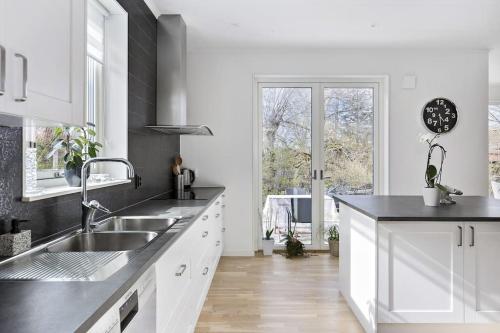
[{"x": 45, "y": 58}]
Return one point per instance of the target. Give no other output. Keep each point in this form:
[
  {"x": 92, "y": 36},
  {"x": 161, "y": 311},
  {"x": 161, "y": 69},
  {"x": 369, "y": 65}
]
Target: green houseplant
[
  {"x": 78, "y": 146},
  {"x": 268, "y": 242},
  {"x": 333, "y": 240}
]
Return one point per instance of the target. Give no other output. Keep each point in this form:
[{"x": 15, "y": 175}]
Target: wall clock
[{"x": 440, "y": 115}]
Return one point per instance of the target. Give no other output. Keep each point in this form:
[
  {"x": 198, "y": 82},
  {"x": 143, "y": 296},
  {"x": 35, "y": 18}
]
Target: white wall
[{"x": 220, "y": 94}]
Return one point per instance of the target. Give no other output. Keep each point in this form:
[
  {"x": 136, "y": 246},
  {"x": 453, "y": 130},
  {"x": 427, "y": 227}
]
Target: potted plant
[
  {"x": 432, "y": 192},
  {"x": 78, "y": 146},
  {"x": 294, "y": 247},
  {"x": 268, "y": 243},
  {"x": 333, "y": 240}
]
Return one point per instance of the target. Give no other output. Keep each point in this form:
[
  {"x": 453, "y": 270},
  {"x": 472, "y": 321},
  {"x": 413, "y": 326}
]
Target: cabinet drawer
[
  {"x": 173, "y": 278},
  {"x": 200, "y": 237}
]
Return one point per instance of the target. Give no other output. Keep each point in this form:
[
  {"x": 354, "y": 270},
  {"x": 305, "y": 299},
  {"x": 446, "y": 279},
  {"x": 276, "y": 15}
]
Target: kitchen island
[{"x": 406, "y": 267}]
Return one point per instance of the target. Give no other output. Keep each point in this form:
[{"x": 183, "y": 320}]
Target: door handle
[
  {"x": 204, "y": 234},
  {"x": 182, "y": 269},
  {"x": 2, "y": 70},
  {"x": 24, "y": 95},
  {"x": 315, "y": 175},
  {"x": 460, "y": 239},
  {"x": 205, "y": 217},
  {"x": 217, "y": 215},
  {"x": 321, "y": 177},
  {"x": 205, "y": 271},
  {"x": 472, "y": 236}
]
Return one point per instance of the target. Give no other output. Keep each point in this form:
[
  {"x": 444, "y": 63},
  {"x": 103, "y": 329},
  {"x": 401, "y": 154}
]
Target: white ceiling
[{"x": 338, "y": 23}]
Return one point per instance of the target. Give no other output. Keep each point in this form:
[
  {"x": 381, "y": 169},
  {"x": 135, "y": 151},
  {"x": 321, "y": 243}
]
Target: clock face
[{"x": 440, "y": 115}]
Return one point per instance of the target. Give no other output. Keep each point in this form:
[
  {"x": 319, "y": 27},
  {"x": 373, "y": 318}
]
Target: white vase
[
  {"x": 268, "y": 246},
  {"x": 495, "y": 188},
  {"x": 432, "y": 196}
]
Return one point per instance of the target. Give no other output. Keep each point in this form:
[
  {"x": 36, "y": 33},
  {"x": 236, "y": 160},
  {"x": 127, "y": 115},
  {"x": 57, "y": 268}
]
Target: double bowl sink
[
  {"x": 115, "y": 234},
  {"x": 89, "y": 256}
]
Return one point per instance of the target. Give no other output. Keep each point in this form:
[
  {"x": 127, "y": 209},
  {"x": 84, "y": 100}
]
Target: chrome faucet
[{"x": 90, "y": 208}]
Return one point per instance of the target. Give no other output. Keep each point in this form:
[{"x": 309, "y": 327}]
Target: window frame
[
  {"x": 113, "y": 127},
  {"x": 381, "y": 125}
]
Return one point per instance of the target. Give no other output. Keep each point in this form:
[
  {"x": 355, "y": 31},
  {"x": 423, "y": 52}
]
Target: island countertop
[{"x": 412, "y": 208}]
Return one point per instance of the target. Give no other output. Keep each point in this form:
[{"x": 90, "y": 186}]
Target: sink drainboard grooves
[{"x": 63, "y": 266}]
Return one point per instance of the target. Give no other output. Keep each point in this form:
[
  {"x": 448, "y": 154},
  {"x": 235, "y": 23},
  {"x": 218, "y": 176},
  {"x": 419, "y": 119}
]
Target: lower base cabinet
[
  {"x": 439, "y": 272},
  {"x": 185, "y": 272}
]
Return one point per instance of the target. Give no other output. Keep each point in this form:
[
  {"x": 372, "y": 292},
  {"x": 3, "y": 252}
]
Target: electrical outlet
[{"x": 137, "y": 181}]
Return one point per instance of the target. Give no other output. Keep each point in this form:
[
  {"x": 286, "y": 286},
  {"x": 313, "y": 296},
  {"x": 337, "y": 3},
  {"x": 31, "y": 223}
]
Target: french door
[{"x": 317, "y": 140}]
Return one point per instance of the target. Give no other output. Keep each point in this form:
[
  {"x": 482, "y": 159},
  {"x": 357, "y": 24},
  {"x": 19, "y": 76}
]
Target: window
[
  {"x": 52, "y": 167},
  {"x": 494, "y": 147},
  {"x": 106, "y": 103}
]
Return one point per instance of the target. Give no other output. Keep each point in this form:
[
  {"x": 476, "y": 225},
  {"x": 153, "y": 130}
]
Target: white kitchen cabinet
[
  {"x": 421, "y": 265},
  {"x": 482, "y": 272},
  {"x": 173, "y": 278},
  {"x": 180, "y": 303},
  {"x": 45, "y": 47}
]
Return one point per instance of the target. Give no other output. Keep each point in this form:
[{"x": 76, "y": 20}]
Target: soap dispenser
[{"x": 16, "y": 241}]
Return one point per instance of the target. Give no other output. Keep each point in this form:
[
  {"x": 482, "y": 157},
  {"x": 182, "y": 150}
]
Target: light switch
[{"x": 409, "y": 82}]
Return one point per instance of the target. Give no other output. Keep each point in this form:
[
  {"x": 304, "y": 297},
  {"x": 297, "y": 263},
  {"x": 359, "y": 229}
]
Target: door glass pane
[
  {"x": 286, "y": 162},
  {"x": 348, "y": 145}
]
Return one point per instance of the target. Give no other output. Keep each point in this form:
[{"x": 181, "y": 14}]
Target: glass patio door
[
  {"x": 286, "y": 161},
  {"x": 346, "y": 147},
  {"x": 317, "y": 140}
]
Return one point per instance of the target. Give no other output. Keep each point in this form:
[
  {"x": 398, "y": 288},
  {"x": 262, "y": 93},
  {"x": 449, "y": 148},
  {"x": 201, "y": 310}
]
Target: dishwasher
[{"x": 135, "y": 312}]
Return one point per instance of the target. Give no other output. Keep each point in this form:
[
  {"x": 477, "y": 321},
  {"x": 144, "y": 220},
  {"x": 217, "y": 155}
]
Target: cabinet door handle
[
  {"x": 217, "y": 215},
  {"x": 205, "y": 217},
  {"x": 461, "y": 236},
  {"x": 223, "y": 229},
  {"x": 24, "y": 96},
  {"x": 223, "y": 206},
  {"x": 2, "y": 70},
  {"x": 218, "y": 243},
  {"x": 217, "y": 203},
  {"x": 182, "y": 269},
  {"x": 205, "y": 271},
  {"x": 204, "y": 234},
  {"x": 472, "y": 236}
]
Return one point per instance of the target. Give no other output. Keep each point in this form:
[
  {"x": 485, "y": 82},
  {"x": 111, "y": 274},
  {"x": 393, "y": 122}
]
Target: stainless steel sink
[
  {"x": 103, "y": 241},
  {"x": 136, "y": 223}
]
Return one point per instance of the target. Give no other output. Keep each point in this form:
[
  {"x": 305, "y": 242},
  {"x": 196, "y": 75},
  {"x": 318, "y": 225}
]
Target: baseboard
[{"x": 238, "y": 253}]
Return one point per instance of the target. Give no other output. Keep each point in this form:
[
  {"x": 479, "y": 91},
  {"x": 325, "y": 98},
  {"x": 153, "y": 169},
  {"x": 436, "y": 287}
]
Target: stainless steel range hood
[{"x": 171, "y": 82}]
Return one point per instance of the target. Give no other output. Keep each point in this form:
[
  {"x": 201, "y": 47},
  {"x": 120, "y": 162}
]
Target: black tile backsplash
[{"x": 150, "y": 153}]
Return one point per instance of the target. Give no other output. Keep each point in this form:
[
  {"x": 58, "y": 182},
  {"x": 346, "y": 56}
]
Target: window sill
[{"x": 56, "y": 191}]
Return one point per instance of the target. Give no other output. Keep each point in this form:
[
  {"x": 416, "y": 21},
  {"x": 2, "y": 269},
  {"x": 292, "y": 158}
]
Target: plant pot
[
  {"x": 73, "y": 176},
  {"x": 268, "y": 246},
  {"x": 333, "y": 244},
  {"x": 432, "y": 196},
  {"x": 495, "y": 188}
]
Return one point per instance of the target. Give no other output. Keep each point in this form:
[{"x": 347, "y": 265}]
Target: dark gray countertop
[
  {"x": 412, "y": 208},
  {"x": 74, "y": 306}
]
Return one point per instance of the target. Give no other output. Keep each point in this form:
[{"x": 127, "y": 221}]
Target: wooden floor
[{"x": 275, "y": 294}]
